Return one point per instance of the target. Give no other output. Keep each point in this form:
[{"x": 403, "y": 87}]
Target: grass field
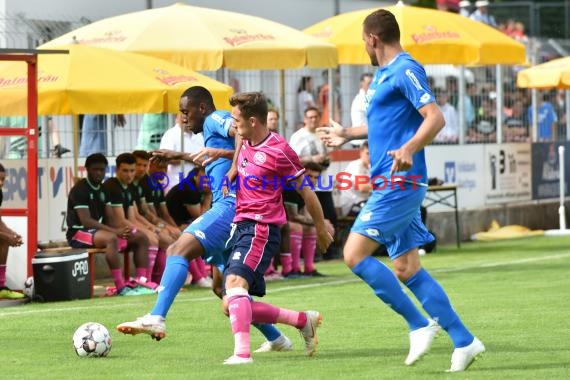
[{"x": 515, "y": 296}]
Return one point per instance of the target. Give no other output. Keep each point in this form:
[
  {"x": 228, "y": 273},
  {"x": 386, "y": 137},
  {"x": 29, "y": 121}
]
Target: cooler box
[{"x": 61, "y": 276}]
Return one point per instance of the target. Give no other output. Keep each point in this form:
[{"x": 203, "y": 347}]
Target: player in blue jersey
[
  {"x": 402, "y": 118},
  {"x": 208, "y": 234}
]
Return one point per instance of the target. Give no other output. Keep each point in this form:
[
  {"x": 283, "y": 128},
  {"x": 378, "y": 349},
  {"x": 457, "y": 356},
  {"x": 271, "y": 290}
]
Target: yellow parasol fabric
[
  {"x": 96, "y": 80},
  {"x": 430, "y": 36},
  {"x": 552, "y": 74},
  {"x": 205, "y": 39}
]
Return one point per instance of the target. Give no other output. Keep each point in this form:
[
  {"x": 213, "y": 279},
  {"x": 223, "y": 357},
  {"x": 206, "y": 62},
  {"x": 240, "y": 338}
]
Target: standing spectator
[
  {"x": 547, "y": 118},
  {"x": 273, "y": 120},
  {"x": 305, "y": 99},
  {"x": 482, "y": 13},
  {"x": 351, "y": 199},
  {"x": 172, "y": 140},
  {"x": 465, "y": 8},
  {"x": 94, "y": 133},
  {"x": 153, "y": 126},
  {"x": 8, "y": 238},
  {"x": 359, "y": 105},
  {"x": 324, "y": 97},
  {"x": 449, "y": 133},
  {"x": 448, "y": 5}
]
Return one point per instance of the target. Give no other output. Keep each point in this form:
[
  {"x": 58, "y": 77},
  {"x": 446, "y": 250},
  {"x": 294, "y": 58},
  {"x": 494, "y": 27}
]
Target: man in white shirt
[
  {"x": 482, "y": 14},
  {"x": 359, "y": 105},
  {"x": 172, "y": 140},
  {"x": 450, "y": 133},
  {"x": 357, "y": 192}
]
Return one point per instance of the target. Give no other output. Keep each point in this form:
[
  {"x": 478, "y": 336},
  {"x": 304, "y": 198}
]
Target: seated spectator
[
  {"x": 516, "y": 125},
  {"x": 302, "y": 231},
  {"x": 8, "y": 238},
  {"x": 450, "y": 132},
  {"x": 352, "y": 198},
  {"x": 484, "y": 129},
  {"x": 88, "y": 204}
]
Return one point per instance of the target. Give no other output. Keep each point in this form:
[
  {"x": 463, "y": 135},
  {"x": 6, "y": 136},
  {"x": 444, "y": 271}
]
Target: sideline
[{"x": 283, "y": 289}]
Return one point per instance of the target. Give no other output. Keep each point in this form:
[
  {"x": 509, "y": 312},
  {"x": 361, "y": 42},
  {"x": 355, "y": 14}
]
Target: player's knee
[{"x": 351, "y": 258}]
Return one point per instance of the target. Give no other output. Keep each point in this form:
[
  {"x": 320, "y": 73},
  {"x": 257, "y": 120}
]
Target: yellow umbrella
[
  {"x": 206, "y": 39},
  {"x": 96, "y": 80},
  {"x": 555, "y": 73},
  {"x": 430, "y": 36}
]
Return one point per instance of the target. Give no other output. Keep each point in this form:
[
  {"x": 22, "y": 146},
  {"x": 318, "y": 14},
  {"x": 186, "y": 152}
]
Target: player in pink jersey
[{"x": 265, "y": 165}]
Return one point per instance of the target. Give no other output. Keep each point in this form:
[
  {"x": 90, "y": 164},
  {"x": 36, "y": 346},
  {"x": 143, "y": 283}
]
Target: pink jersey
[{"x": 264, "y": 170}]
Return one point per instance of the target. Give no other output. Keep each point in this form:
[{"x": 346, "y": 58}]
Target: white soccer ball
[
  {"x": 92, "y": 339},
  {"x": 29, "y": 287}
]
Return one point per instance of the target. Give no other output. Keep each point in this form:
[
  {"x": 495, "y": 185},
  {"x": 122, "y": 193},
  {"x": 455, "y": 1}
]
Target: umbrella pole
[
  {"x": 461, "y": 105},
  {"x": 75, "y": 126},
  {"x": 567, "y": 101},
  {"x": 499, "y": 102},
  {"x": 282, "y": 121}
]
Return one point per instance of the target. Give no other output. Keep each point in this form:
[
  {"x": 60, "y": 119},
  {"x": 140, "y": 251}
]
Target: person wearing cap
[
  {"x": 482, "y": 13},
  {"x": 464, "y": 8}
]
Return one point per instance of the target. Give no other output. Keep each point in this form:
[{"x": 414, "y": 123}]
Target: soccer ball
[
  {"x": 29, "y": 287},
  {"x": 92, "y": 339}
]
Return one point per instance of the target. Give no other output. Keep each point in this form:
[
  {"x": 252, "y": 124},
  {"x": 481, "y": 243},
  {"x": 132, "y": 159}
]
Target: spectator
[
  {"x": 94, "y": 133},
  {"x": 351, "y": 199},
  {"x": 547, "y": 118},
  {"x": 450, "y": 132},
  {"x": 8, "y": 238},
  {"x": 15, "y": 147},
  {"x": 305, "y": 99},
  {"x": 153, "y": 126},
  {"x": 273, "y": 120},
  {"x": 465, "y": 8},
  {"x": 448, "y": 5},
  {"x": 173, "y": 140},
  {"x": 359, "y": 105},
  {"x": 324, "y": 95},
  {"x": 484, "y": 129},
  {"x": 482, "y": 13},
  {"x": 516, "y": 125}
]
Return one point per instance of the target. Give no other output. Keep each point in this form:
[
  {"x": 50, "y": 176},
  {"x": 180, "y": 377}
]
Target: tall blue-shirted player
[
  {"x": 402, "y": 119},
  {"x": 208, "y": 234}
]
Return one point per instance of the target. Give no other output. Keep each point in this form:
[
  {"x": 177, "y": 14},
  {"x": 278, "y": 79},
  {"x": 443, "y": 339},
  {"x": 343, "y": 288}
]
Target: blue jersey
[
  {"x": 396, "y": 93},
  {"x": 216, "y": 135}
]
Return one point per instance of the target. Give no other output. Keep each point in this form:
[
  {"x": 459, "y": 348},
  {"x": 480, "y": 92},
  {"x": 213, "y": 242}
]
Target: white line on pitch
[{"x": 282, "y": 289}]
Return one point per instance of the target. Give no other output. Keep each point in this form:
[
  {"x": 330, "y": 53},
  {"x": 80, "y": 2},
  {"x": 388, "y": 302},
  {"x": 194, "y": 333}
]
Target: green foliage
[{"x": 512, "y": 294}]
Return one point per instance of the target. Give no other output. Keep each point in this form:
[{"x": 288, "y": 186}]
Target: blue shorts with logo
[
  {"x": 254, "y": 245},
  {"x": 392, "y": 217},
  {"x": 212, "y": 230}
]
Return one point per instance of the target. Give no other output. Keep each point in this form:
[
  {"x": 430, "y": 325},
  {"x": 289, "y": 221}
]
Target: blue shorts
[
  {"x": 392, "y": 217},
  {"x": 212, "y": 230},
  {"x": 255, "y": 244}
]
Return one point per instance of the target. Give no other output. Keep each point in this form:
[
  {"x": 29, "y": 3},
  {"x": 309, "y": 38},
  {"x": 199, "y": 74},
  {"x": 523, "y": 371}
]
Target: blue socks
[
  {"x": 270, "y": 332},
  {"x": 434, "y": 300},
  {"x": 172, "y": 280},
  {"x": 387, "y": 287}
]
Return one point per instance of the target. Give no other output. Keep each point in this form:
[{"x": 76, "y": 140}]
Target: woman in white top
[{"x": 305, "y": 99}]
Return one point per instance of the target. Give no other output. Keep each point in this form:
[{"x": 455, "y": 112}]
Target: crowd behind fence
[{"x": 492, "y": 109}]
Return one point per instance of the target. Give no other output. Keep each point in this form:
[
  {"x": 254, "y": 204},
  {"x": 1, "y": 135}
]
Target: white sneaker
[
  {"x": 463, "y": 357},
  {"x": 421, "y": 340},
  {"x": 204, "y": 282},
  {"x": 280, "y": 344},
  {"x": 233, "y": 360},
  {"x": 153, "y": 325},
  {"x": 309, "y": 332}
]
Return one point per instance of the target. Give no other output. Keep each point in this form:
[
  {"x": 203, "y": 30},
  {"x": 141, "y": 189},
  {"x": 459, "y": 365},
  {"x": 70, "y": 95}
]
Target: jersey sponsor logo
[
  {"x": 425, "y": 98},
  {"x": 372, "y": 232},
  {"x": 200, "y": 234},
  {"x": 259, "y": 158},
  {"x": 412, "y": 77},
  {"x": 366, "y": 216}
]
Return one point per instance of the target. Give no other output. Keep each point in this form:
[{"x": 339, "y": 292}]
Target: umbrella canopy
[
  {"x": 206, "y": 39},
  {"x": 429, "y": 35},
  {"x": 555, "y": 73},
  {"x": 96, "y": 80}
]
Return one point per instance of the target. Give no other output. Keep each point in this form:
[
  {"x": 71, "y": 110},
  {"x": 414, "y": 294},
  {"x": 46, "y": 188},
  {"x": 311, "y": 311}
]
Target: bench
[{"x": 91, "y": 260}]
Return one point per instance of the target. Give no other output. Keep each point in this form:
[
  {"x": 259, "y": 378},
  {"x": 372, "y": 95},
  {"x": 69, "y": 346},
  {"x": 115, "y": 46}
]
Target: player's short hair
[
  {"x": 125, "y": 158},
  {"x": 96, "y": 158},
  {"x": 383, "y": 24},
  {"x": 141, "y": 154},
  {"x": 313, "y": 166},
  {"x": 251, "y": 104},
  {"x": 198, "y": 94}
]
